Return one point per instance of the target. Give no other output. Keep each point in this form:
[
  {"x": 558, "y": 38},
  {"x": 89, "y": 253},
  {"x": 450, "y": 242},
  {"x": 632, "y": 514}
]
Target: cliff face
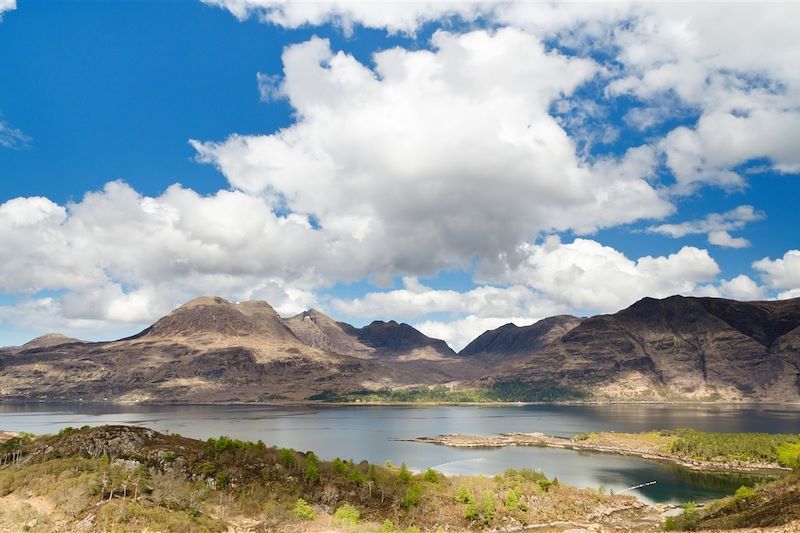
[{"x": 679, "y": 347}]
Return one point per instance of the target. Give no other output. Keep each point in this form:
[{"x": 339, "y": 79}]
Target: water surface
[{"x": 373, "y": 433}]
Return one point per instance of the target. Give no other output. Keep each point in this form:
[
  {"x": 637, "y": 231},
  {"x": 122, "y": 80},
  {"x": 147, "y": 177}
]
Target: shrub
[
  {"x": 222, "y": 479},
  {"x": 404, "y": 475},
  {"x": 387, "y": 526},
  {"x": 463, "y": 495},
  {"x": 687, "y": 520},
  {"x": 347, "y": 513},
  {"x": 412, "y": 496},
  {"x": 431, "y": 475},
  {"x": 488, "y": 506},
  {"x": 311, "y": 472},
  {"x": 743, "y": 493},
  {"x": 286, "y": 457},
  {"x": 303, "y": 511},
  {"x": 470, "y": 512},
  {"x": 789, "y": 455},
  {"x": 512, "y": 498}
]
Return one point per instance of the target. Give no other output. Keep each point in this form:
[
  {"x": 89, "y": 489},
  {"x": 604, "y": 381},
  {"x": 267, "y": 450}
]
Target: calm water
[{"x": 361, "y": 432}]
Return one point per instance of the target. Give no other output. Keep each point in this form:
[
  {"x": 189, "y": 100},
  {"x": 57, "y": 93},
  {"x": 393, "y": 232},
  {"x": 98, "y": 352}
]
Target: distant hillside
[
  {"x": 378, "y": 339},
  {"x": 208, "y": 350},
  {"x": 675, "y": 348},
  {"x": 513, "y": 341},
  {"x": 213, "y": 350}
]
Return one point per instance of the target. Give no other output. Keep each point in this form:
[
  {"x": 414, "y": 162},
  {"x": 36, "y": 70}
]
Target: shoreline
[
  {"x": 316, "y": 403},
  {"x": 548, "y": 441}
]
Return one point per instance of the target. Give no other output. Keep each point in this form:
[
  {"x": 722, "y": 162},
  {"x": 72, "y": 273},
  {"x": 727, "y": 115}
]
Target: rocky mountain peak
[
  {"x": 215, "y": 316},
  {"x": 510, "y": 340},
  {"x": 393, "y": 337}
]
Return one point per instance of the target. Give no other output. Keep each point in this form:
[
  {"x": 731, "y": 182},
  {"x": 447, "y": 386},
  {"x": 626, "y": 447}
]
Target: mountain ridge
[
  {"x": 677, "y": 347},
  {"x": 213, "y": 350}
]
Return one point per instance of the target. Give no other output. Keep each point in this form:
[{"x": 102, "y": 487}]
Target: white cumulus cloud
[
  {"x": 584, "y": 274},
  {"x": 782, "y": 274},
  {"x": 716, "y": 225},
  {"x": 7, "y": 5},
  {"x": 432, "y": 158},
  {"x": 399, "y": 16}
]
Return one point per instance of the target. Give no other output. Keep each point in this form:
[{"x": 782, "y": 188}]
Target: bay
[{"x": 375, "y": 433}]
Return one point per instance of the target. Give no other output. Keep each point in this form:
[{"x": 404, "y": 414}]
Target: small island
[{"x": 697, "y": 450}]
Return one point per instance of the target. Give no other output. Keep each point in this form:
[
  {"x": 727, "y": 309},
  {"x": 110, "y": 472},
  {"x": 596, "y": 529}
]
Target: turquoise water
[{"x": 372, "y": 433}]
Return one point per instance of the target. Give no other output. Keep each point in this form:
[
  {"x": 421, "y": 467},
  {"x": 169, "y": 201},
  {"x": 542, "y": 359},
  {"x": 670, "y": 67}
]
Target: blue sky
[{"x": 489, "y": 165}]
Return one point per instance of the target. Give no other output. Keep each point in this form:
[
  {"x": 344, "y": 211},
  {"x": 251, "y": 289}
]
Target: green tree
[{"x": 303, "y": 511}]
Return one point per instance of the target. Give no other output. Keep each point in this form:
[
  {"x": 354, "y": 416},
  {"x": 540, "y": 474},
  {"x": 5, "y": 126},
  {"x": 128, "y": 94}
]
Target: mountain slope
[
  {"x": 213, "y": 350},
  {"x": 320, "y": 331},
  {"x": 378, "y": 339},
  {"x": 419, "y": 359},
  {"x": 400, "y": 339},
  {"x": 510, "y": 340},
  {"x": 678, "y": 347},
  {"x": 208, "y": 350}
]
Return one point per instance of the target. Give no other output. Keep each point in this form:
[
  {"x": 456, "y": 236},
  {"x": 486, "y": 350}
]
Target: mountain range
[{"x": 213, "y": 350}]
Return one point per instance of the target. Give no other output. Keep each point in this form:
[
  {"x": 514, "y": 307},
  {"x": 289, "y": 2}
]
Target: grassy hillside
[{"x": 118, "y": 478}]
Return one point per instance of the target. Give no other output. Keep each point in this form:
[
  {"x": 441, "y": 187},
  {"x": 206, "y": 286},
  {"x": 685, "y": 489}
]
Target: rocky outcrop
[
  {"x": 676, "y": 348},
  {"x": 320, "y": 331}
]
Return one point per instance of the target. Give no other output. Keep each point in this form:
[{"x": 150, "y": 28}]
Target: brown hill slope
[
  {"x": 213, "y": 350},
  {"x": 401, "y": 347},
  {"x": 321, "y": 331},
  {"x": 378, "y": 339},
  {"x": 510, "y": 340},
  {"x": 208, "y": 350},
  {"x": 678, "y": 347}
]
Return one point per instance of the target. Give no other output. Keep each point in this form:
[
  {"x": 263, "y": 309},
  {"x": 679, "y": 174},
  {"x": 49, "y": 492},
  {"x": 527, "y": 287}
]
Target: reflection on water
[{"x": 372, "y": 433}]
